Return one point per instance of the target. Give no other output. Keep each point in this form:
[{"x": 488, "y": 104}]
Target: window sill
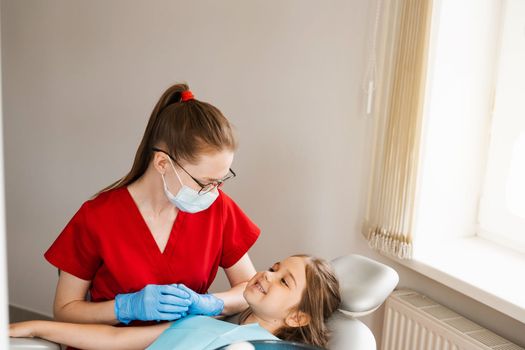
[{"x": 480, "y": 269}]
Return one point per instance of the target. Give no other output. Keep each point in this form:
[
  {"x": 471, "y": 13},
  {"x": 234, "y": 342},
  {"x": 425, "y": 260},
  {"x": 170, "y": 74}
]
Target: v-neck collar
[{"x": 149, "y": 239}]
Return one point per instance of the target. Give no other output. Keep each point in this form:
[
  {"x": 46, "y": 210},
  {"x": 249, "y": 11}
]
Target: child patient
[{"x": 290, "y": 301}]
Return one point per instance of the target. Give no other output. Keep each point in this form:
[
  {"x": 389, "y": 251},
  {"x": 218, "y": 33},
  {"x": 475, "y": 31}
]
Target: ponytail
[{"x": 185, "y": 126}]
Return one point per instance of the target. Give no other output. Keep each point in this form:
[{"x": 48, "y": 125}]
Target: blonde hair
[{"x": 320, "y": 298}]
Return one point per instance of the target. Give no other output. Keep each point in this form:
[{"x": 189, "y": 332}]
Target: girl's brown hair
[
  {"x": 320, "y": 298},
  {"x": 186, "y": 130}
]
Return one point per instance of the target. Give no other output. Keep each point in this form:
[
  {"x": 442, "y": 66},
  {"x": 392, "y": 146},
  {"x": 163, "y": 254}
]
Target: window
[
  {"x": 502, "y": 206},
  {"x": 469, "y": 222},
  {"x": 460, "y": 85}
]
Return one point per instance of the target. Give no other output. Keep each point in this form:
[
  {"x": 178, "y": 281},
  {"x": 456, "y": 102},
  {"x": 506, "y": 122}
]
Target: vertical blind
[{"x": 389, "y": 219}]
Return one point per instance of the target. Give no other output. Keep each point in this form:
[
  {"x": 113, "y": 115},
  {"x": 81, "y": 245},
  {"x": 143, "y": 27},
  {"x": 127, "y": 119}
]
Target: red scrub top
[{"x": 108, "y": 242}]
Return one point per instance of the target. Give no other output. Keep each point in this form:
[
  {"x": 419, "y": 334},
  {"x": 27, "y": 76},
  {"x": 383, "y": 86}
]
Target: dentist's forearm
[
  {"x": 233, "y": 298},
  {"x": 70, "y": 303},
  {"x": 81, "y": 311}
]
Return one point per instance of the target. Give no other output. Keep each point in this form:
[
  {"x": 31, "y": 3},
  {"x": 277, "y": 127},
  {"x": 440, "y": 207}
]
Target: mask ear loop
[
  {"x": 165, "y": 184},
  {"x": 176, "y": 173}
]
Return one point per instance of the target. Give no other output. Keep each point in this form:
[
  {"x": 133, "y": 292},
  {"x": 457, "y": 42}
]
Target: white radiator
[{"x": 415, "y": 322}]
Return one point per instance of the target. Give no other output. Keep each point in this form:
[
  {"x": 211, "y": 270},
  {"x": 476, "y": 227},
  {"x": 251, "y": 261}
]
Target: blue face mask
[{"x": 187, "y": 199}]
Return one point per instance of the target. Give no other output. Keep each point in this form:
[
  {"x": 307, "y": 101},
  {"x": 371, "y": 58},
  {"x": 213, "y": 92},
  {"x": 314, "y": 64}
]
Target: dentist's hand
[
  {"x": 152, "y": 303},
  {"x": 203, "y": 304}
]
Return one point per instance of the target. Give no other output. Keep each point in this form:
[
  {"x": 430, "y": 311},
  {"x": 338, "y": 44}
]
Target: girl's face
[{"x": 272, "y": 294}]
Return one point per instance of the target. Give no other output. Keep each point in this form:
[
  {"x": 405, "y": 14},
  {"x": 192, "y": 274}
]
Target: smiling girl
[{"x": 290, "y": 301}]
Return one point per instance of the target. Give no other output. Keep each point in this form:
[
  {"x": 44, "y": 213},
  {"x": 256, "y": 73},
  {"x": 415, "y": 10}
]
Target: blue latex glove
[
  {"x": 152, "y": 303},
  {"x": 203, "y": 304}
]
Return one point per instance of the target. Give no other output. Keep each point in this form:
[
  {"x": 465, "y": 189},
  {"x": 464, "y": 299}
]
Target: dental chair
[
  {"x": 31, "y": 344},
  {"x": 365, "y": 284}
]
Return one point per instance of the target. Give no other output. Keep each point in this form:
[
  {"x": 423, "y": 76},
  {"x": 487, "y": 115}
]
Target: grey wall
[
  {"x": 3, "y": 255},
  {"x": 80, "y": 79}
]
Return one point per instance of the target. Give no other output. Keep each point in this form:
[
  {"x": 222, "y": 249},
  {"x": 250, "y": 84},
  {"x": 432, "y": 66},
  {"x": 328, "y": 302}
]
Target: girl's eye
[
  {"x": 271, "y": 269},
  {"x": 284, "y": 282}
]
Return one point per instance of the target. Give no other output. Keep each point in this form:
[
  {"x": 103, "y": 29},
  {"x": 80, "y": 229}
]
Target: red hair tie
[{"x": 186, "y": 95}]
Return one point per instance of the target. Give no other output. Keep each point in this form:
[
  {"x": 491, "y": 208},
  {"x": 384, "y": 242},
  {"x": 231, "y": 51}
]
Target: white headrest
[{"x": 364, "y": 283}]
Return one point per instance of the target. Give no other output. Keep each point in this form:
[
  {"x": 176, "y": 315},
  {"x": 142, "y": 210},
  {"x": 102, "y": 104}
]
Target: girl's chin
[
  {"x": 252, "y": 296},
  {"x": 248, "y": 294}
]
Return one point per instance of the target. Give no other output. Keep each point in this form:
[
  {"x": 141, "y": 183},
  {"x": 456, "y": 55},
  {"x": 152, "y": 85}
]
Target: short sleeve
[
  {"x": 239, "y": 233},
  {"x": 75, "y": 250}
]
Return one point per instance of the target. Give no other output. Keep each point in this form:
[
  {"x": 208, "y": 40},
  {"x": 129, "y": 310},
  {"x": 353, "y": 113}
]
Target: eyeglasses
[{"x": 205, "y": 188}]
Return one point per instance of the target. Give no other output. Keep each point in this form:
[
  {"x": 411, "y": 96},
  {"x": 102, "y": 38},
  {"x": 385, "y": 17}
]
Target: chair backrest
[{"x": 348, "y": 333}]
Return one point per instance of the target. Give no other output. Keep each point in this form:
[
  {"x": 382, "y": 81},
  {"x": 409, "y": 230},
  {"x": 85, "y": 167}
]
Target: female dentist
[{"x": 163, "y": 224}]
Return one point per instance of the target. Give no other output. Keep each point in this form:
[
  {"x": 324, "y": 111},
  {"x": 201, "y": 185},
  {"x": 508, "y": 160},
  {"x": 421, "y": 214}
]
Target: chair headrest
[{"x": 364, "y": 283}]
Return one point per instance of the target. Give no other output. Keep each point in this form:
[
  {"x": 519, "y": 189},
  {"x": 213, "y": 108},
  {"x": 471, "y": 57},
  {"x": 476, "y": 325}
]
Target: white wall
[{"x": 80, "y": 79}]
